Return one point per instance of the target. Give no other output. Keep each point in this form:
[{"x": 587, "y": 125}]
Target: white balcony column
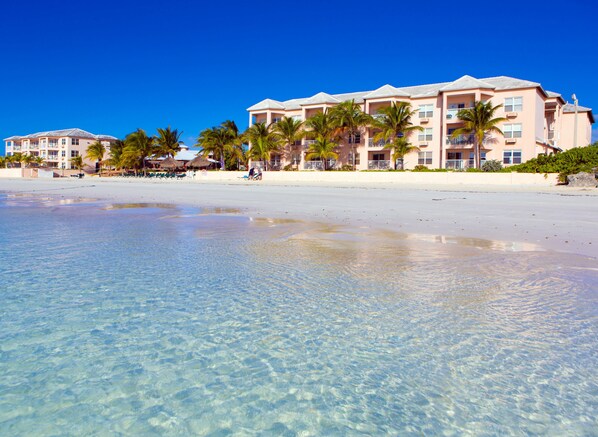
[
  {"x": 250, "y": 120},
  {"x": 268, "y": 118},
  {"x": 443, "y": 128}
]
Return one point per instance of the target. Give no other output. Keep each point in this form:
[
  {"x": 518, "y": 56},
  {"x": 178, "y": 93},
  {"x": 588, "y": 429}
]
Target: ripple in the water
[{"x": 178, "y": 321}]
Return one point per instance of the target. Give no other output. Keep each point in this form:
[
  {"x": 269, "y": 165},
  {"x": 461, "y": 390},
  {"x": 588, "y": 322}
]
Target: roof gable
[
  {"x": 320, "y": 98},
  {"x": 466, "y": 83},
  {"x": 386, "y": 91},
  {"x": 266, "y": 104}
]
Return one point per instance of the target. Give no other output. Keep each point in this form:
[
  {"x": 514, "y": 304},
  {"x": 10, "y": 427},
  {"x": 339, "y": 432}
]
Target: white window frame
[
  {"x": 75, "y": 141},
  {"x": 426, "y": 111},
  {"x": 424, "y": 158},
  {"x": 508, "y": 156},
  {"x": 513, "y": 104},
  {"x": 426, "y": 134},
  {"x": 512, "y": 130}
]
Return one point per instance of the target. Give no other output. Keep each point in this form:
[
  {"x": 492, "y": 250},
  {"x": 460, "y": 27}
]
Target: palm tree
[
  {"x": 234, "y": 151},
  {"x": 400, "y": 147},
  {"x": 322, "y": 125},
  {"x": 167, "y": 141},
  {"x": 38, "y": 160},
  {"x": 263, "y": 142},
  {"x": 395, "y": 121},
  {"x": 3, "y": 161},
  {"x": 17, "y": 158},
  {"x": 77, "y": 162},
  {"x": 323, "y": 149},
  {"x": 479, "y": 121},
  {"x": 116, "y": 152},
  {"x": 349, "y": 119},
  {"x": 289, "y": 131},
  {"x": 96, "y": 151},
  {"x": 138, "y": 147},
  {"x": 28, "y": 160}
]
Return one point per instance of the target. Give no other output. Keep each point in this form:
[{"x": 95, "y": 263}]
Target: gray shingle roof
[
  {"x": 321, "y": 98},
  {"x": 266, "y": 104},
  {"x": 466, "y": 83},
  {"x": 386, "y": 91},
  {"x": 570, "y": 107},
  {"x": 61, "y": 133},
  {"x": 497, "y": 83}
]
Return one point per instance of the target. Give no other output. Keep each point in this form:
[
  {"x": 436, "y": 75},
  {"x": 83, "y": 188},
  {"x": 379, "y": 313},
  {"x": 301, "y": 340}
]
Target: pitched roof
[
  {"x": 466, "y": 83},
  {"x": 386, "y": 91},
  {"x": 569, "y": 108},
  {"x": 266, "y": 104},
  {"x": 418, "y": 91},
  {"x": 61, "y": 133},
  {"x": 320, "y": 98}
]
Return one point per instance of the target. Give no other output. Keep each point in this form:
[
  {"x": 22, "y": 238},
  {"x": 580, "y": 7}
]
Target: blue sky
[{"x": 113, "y": 66}]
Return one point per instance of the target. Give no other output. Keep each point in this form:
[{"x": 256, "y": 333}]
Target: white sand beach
[{"x": 552, "y": 218}]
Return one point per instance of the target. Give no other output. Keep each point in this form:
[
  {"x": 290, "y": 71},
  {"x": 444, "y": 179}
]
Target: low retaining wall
[
  {"x": 362, "y": 178},
  {"x": 11, "y": 172}
]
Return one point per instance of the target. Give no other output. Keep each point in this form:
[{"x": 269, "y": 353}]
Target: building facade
[
  {"x": 538, "y": 122},
  {"x": 58, "y": 147}
]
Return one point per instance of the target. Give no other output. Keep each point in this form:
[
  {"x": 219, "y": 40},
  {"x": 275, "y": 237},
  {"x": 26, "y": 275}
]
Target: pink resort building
[
  {"x": 538, "y": 122},
  {"x": 57, "y": 147}
]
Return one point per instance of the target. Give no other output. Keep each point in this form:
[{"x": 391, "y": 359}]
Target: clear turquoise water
[{"x": 156, "y": 320}]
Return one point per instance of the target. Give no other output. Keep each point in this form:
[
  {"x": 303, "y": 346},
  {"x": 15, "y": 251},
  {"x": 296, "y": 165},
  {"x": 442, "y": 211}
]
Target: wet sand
[{"x": 526, "y": 218}]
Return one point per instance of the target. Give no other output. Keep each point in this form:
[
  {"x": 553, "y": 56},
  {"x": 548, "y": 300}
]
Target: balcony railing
[
  {"x": 379, "y": 143},
  {"x": 307, "y": 143},
  {"x": 379, "y": 164},
  {"x": 313, "y": 165},
  {"x": 460, "y": 140},
  {"x": 456, "y": 164},
  {"x": 451, "y": 114}
]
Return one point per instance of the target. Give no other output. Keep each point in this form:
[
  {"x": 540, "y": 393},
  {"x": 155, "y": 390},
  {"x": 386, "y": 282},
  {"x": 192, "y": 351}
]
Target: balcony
[
  {"x": 456, "y": 164},
  {"x": 460, "y": 140},
  {"x": 451, "y": 114},
  {"x": 379, "y": 143},
  {"x": 379, "y": 164},
  {"x": 307, "y": 143},
  {"x": 313, "y": 165}
]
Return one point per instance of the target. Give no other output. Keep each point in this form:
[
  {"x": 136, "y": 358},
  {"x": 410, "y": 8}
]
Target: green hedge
[{"x": 570, "y": 162}]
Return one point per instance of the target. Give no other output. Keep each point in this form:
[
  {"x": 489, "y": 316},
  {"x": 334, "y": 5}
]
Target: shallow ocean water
[{"x": 162, "y": 320}]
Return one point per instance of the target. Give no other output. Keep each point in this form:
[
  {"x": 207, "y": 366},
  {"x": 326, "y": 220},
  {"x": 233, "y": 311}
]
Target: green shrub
[
  {"x": 289, "y": 167},
  {"x": 347, "y": 167},
  {"x": 420, "y": 168},
  {"x": 570, "y": 162},
  {"x": 474, "y": 170},
  {"x": 493, "y": 165}
]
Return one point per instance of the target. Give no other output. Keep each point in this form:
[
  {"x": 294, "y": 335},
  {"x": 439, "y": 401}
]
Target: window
[
  {"x": 356, "y": 139},
  {"x": 512, "y": 130},
  {"x": 63, "y": 153},
  {"x": 424, "y": 158},
  {"x": 514, "y": 104},
  {"x": 425, "y": 135},
  {"x": 8, "y": 143},
  {"x": 75, "y": 141},
  {"x": 276, "y": 119},
  {"x": 511, "y": 157},
  {"x": 350, "y": 157},
  {"x": 74, "y": 153},
  {"x": 454, "y": 155},
  {"x": 426, "y": 111},
  {"x": 53, "y": 142},
  {"x": 63, "y": 141},
  {"x": 295, "y": 159},
  {"x": 378, "y": 157},
  {"x": 472, "y": 158}
]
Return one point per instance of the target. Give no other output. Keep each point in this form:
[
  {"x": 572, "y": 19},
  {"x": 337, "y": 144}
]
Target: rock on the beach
[{"x": 582, "y": 180}]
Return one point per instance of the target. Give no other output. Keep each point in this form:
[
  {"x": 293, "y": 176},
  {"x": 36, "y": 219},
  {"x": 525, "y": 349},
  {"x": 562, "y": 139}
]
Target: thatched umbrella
[
  {"x": 198, "y": 162},
  {"x": 170, "y": 163}
]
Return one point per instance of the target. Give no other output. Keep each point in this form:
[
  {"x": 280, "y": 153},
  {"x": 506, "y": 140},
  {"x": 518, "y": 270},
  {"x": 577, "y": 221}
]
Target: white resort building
[
  {"x": 538, "y": 122},
  {"x": 57, "y": 147}
]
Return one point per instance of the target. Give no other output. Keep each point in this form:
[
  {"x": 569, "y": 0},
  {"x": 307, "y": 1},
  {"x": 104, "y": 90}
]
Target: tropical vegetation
[
  {"x": 579, "y": 159},
  {"x": 479, "y": 121},
  {"x": 221, "y": 143},
  {"x": 264, "y": 142}
]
